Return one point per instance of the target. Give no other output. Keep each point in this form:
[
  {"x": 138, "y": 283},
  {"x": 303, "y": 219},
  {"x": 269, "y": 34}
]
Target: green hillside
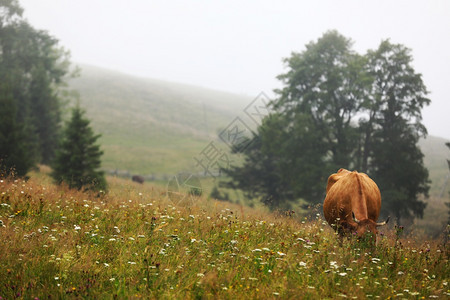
[{"x": 152, "y": 127}]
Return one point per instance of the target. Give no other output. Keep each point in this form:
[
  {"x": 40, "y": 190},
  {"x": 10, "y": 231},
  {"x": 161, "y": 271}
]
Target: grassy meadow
[{"x": 137, "y": 242}]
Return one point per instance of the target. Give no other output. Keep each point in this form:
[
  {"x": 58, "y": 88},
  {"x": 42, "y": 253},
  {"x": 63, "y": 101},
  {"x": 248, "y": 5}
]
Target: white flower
[
  {"x": 281, "y": 253},
  {"x": 106, "y": 265},
  {"x": 76, "y": 227},
  {"x": 256, "y": 250},
  {"x": 200, "y": 274},
  {"x": 112, "y": 279},
  {"x": 302, "y": 264},
  {"x": 334, "y": 264},
  {"x": 343, "y": 274}
]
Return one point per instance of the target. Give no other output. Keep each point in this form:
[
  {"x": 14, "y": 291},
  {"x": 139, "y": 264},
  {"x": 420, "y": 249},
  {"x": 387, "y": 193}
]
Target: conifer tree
[
  {"x": 16, "y": 158},
  {"x": 77, "y": 160},
  {"x": 33, "y": 71}
]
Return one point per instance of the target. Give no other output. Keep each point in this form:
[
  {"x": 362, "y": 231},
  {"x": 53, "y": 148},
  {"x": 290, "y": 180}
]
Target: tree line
[
  {"x": 341, "y": 109},
  {"x": 33, "y": 96}
]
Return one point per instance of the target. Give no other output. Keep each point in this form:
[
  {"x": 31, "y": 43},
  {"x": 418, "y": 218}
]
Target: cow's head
[{"x": 367, "y": 228}]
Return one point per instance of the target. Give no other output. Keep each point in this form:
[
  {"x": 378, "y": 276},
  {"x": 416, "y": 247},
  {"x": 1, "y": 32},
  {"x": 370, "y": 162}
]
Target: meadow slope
[
  {"x": 152, "y": 127},
  {"x": 136, "y": 243}
]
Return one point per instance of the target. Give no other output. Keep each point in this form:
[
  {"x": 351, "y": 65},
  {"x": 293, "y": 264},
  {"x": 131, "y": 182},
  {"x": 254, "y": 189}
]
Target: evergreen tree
[
  {"x": 15, "y": 157},
  {"x": 32, "y": 69},
  {"x": 77, "y": 160}
]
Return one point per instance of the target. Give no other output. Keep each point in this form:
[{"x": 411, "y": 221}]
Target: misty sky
[{"x": 238, "y": 46}]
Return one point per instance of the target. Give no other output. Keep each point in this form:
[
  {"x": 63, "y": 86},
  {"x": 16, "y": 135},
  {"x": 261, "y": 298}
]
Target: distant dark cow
[
  {"x": 138, "y": 179},
  {"x": 353, "y": 204}
]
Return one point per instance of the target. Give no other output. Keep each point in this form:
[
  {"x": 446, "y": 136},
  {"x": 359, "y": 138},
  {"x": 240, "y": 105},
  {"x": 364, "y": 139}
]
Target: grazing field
[{"x": 135, "y": 242}]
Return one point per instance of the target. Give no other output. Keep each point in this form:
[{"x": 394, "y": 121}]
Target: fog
[{"x": 238, "y": 46}]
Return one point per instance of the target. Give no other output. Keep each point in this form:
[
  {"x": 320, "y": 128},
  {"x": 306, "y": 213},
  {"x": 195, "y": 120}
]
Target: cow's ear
[{"x": 331, "y": 180}]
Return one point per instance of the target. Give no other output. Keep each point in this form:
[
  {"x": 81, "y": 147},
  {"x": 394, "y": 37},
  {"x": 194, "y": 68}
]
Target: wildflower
[
  {"x": 343, "y": 274},
  {"x": 400, "y": 273},
  {"x": 112, "y": 279},
  {"x": 334, "y": 264},
  {"x": 256, "y": 250},
  {"x": 200, "y": 275},
  {"x": 76, "y": 227},
  {"x": 106, "y": 265},
  {"x": 302, "y": 264},
  {"x": 131, "y": 262},
  {"x": 281, "y": 253}
]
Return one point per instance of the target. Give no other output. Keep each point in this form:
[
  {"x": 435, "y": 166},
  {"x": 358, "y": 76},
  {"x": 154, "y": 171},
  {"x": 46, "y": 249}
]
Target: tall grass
[{"x": 135, "y": 243}]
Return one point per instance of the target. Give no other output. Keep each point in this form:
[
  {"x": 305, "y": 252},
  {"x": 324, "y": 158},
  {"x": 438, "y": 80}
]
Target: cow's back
[{"x": 351, "y": 191}]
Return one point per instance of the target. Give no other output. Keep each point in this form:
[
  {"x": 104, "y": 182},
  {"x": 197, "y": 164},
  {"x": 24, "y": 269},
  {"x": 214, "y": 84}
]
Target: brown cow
[{"x": 352, "y": 204}]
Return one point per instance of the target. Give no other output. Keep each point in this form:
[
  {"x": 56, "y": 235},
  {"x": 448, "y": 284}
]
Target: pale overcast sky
[{"x": 237, "y": 46}]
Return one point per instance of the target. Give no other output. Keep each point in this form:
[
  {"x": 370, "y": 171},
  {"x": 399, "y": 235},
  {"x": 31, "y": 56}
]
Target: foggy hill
[{"x": 150, "y": 126}]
